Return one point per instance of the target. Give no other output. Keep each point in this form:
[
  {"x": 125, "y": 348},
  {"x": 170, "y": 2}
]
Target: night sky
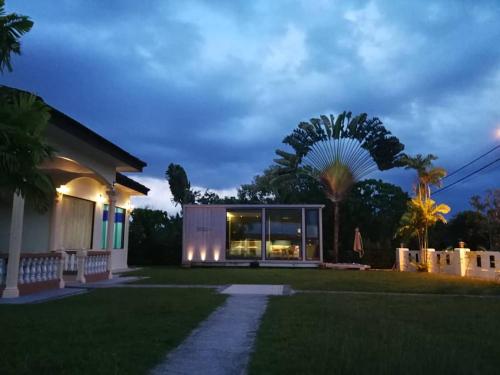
[{"x": 216, "y": 85}]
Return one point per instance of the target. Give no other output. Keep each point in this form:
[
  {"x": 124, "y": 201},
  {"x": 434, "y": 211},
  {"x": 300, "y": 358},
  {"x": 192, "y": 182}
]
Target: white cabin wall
[{"x": 204, "y": 234}]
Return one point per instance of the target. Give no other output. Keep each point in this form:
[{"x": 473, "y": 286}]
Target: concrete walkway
[
  {"x": 44, "y": 296},
  {"x": 222, "y": 344}
]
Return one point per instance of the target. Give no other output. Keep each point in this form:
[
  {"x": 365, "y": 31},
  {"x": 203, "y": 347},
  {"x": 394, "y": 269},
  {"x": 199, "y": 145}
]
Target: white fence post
[
  {"x": 432, "y": 265},
  {"x": 462, "y": 261},
  {"x": 402, "y": 259}
]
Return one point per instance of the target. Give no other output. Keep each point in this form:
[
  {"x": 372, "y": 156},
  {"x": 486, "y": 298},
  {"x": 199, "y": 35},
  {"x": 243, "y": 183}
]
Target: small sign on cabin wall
[{"x": 203, "y": 229}]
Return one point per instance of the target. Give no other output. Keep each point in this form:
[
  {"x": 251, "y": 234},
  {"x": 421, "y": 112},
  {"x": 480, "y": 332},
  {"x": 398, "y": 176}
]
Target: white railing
[
  {"x": 96, "y": 262},
  {"x": 70, "y": 261},
  {"x": 460, "y": 261},
  {"x": 37, "y": 268}
]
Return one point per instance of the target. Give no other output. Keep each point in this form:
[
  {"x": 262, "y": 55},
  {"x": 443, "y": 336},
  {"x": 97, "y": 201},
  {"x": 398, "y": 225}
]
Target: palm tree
[
  {"x": 23, "y": 119},
  {"x": 422, "y": 210},
  {"x": 338, "y": 153},
  {"x": 12, "y": 27},
  {"x": 427, "y": 174},
  {"x": 421, "y": 215}
]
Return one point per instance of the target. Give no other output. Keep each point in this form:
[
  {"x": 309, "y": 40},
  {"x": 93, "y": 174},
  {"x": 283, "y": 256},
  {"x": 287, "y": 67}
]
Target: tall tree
[
  {"x": 12, "y": 27},
  {"x": 179, "y": 185},
  {"x": 428, "y": 176},
  {"x": 423, "y": 212},
  {"x": 489, "y": 207},
  {"x": 338, "y": 152},
  {"x": 155, "y": 238}
]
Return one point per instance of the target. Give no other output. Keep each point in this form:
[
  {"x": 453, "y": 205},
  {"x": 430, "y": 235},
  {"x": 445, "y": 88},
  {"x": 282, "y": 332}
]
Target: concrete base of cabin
[
  {"x": 246, "y": 263},
  {"x": 345, "y": 266}
]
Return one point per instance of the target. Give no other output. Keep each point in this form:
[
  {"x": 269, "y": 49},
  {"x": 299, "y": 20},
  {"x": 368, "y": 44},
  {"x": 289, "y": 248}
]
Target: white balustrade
[
  {"x": 35, "y": 268},
  {"x": 96, "y": 263},
  {"x": 70, "y": 261}
]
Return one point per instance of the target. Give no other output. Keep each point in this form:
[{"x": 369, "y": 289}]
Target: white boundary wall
[{"x": 460, "y": 262}]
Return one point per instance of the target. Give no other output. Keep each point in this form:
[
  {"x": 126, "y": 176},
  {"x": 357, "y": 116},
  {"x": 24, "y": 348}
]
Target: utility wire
[
  {"x": 470, "y": 174},
  {"x": 471, "y": 162}
]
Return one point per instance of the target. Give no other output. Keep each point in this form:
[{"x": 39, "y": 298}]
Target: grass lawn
[
  {"x": 108, "y": 331},
  {"x": 315, "y": 279},
  {"x": 360, "y": 334}
]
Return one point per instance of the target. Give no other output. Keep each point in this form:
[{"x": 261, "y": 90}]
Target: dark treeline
[{"x": 372, "y": 205}]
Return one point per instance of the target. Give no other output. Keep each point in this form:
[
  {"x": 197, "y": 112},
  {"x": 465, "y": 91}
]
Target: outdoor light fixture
[
  {"x": 63, "y": 189},
  {"x": 130, "y": 207},
  {"x": 190, "y": 255},
  {"x": 216, "y": 255},
  {"x": 100, "y": 199},
  {"x": 203, "y": 254}
]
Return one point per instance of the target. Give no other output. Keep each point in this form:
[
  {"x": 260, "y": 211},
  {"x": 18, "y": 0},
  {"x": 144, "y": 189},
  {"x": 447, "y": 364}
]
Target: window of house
[
  {"x": 492, "y": 261},
  {"x": 478, "y": 260},
  {"x": 448, "y": 259},
  {"x": 243, "y": 234},
  {"x": 438, "y": 256},
  {"x": 119, "y": 228}
]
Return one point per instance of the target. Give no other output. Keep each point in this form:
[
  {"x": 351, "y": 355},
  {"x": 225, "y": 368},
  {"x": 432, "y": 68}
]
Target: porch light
[
  {"x": 63, "y": 189},
  {"x": 100, "y": 199},
  {"x": 130, "y": 207}
]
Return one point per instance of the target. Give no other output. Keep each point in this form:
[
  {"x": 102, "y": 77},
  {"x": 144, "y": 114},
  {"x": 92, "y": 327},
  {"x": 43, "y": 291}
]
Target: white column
[
  {"x": 97, "y": 231},
  {"x": 15, "y": 242},
  {"x": 125, "y": 235},
  {"x": 111, "y": 227}
]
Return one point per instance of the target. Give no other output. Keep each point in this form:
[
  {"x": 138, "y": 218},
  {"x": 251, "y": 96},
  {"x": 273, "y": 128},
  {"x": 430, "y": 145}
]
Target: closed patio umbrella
[{"x": 358, "y": 243}]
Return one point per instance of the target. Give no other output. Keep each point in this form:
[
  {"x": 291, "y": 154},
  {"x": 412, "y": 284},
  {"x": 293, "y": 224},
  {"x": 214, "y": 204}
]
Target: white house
[{"x": 86, "y": 229}]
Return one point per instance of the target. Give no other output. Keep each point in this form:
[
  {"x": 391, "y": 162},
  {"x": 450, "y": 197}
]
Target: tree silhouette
[{"x": 338, "y": 152}]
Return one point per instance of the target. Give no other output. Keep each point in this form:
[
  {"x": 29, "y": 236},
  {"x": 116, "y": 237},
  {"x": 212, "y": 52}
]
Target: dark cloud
[{"x": 216, "y": 86}]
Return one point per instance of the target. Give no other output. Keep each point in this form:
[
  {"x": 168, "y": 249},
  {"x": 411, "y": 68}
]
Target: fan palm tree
[
  {"x": 23, "y": 119},
  {"x": 12, "y": 27},
  {"x": 338, "y": 152}
]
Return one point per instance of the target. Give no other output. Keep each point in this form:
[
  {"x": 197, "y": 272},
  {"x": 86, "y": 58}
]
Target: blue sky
[{"x": 216, "y": 85}]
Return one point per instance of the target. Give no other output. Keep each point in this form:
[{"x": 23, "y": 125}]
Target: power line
[
  {"x": 470, "y": 174},
  {"x": 471, "y": 162}
]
